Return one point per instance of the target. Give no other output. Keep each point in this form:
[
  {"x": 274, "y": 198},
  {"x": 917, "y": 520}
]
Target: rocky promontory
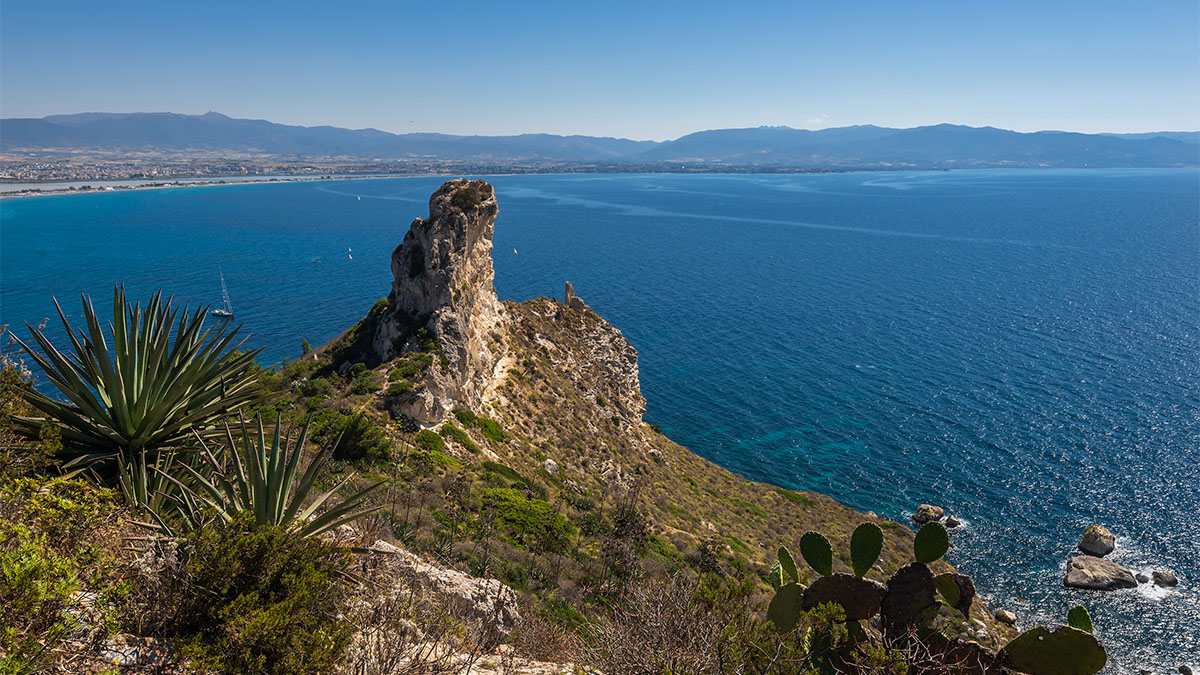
[{"x": 442, "y": 295}]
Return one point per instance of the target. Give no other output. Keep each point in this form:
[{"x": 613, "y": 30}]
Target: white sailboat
[{"x": 227, "y": 310}]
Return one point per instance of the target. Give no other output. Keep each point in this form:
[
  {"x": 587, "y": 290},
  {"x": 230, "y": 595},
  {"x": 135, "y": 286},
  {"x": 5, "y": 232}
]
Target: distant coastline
[
  {"x": 78, "y": 187},
  {"x": 12, "y": 190}
]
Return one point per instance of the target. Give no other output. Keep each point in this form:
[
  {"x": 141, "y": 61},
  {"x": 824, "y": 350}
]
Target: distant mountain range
[{"x": 939, "y": 146}]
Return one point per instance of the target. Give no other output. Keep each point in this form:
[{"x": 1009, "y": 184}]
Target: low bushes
[
  {"x": 533, "y": 522},
  {"x": 52, "y": 545},
  {"x": 256, "y": 599},
  {"x": 490, "y": 428},
  {"x": 361, "y": 440}
]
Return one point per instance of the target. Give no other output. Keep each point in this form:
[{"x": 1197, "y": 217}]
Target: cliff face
[
  {"x": 443, "y": 301},
  {"x": 559, "y": 385}
]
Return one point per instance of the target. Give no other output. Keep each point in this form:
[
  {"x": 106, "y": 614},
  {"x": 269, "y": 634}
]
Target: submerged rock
[
  {"x": 1141, "y": 578},
  {"x": 1090, "y": 572},
  {"x": 1097, "y": 541}
]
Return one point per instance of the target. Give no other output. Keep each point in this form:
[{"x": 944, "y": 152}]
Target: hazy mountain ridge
[{"x": 937, "y": 146}]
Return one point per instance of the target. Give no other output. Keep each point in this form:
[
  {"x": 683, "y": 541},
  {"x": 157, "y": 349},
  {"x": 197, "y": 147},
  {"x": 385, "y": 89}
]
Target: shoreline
[
  {"x": 213, "y": 181},
  {"x": 190, "y": 183}
]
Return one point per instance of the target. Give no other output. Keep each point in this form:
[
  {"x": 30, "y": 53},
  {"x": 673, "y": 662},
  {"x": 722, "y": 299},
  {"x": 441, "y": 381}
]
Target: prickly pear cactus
[
  {"x": 957, "y": 590},
  {"x": 1066, "y": 651},
  {"x": 817, "y": 552},
  {"x": 788, "y": 564},
  {"x": 931, "y": 543},
  {"x": 1079, "y": 618},
  {"x": 775, "y": 576},
  {"x": 786, "y": 606},
  {"x": 865, "y": 545},
  {"x": 859, "y": 598}
]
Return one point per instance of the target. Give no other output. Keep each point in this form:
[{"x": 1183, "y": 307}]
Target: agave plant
[
  {"x": 145, "y": 392},
  {"x": 259, "y": 478}
]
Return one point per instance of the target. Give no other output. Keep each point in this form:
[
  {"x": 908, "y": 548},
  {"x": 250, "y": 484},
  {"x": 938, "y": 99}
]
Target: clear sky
[{"x": 643, "y": 70}]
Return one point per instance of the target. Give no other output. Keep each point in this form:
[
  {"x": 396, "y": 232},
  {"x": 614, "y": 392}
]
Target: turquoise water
[{"x": 1021, "y": 347}]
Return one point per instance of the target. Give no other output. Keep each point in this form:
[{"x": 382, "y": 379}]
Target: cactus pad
[
  {"x": 957, "y": 590},
  {"x": 1066, "y": 651},
  {"x": 817, "y": 552},
  {"x": 931, "y": 543},
  {"x": 785, "y": 609},
  {"x": 859, "y": 598},
  {"x": 865, "y": 546},
  {"x": 1079, "y": 618},
  {"x": 788, "y": 563},
  {"x": 775, "y": 576}
]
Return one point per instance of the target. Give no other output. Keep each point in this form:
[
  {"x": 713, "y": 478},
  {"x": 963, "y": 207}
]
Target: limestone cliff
[
  {"x": 443, "y": 300},
  {"x": 559, "y": 387}
]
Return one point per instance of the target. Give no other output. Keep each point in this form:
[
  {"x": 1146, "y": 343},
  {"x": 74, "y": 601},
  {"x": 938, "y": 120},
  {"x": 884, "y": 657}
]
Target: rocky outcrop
[
  {"x": 571, "y": 300},
  {"x": 927, "y": 512},
  {"x": 1164, "y": 579},
  {"x": 443, "y": 301},
  {"x": 1092, "y": 573},
  {"x": 484, "y": 601},
  {"x": 1097, "y": 541},
  {"x": 1005, "y": 616}
]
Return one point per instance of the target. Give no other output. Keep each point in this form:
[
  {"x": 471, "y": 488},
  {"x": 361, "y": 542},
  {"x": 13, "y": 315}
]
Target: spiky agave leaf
[
  {"x": 259, "y": 477},
  {"x": 149, "y": 390}
]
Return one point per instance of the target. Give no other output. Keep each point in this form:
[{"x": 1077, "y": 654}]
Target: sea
[{"x": 1021, "y": 347}]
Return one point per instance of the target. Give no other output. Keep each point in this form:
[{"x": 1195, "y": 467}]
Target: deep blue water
[{"x": 1021, "y": 347}]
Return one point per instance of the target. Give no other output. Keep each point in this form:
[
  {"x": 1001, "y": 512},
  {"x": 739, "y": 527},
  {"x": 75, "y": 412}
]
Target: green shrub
[
  {"x": 358, "y": 370},
  {"x": 365, "y": 385},
  {"x": 361, "y": 440},
  {"x": 503, "y": 470},
  {"x": 449, "y": 431},
  {"x": 490, "y": 428},
  {"x": 428, "y": 342},
  {"x": 532, "y": 522},
  {"x": 467, "y": 199},
  {"x": 400, "y": 387},
  {"x": 429, "y": 441},
  {"x": 318, "y": 386},
  {"x": 51, "y": 546},
  {"x": 258, "y": 599},
  {"x": 410, "y": 366},
  {"x": 794, "y": 497},
  {"x": 437, "y": 458}
]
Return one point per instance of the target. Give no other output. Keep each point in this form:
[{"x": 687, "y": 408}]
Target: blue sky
[{"x": 644, "y": 70}]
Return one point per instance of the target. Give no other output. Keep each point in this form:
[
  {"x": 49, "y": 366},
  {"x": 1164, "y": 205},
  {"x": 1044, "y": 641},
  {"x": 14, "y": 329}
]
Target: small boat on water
[{"x": 227, "y": 310}]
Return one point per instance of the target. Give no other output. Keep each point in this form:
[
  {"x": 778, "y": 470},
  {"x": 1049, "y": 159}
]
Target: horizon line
[{"x": 543, "y": 133}]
